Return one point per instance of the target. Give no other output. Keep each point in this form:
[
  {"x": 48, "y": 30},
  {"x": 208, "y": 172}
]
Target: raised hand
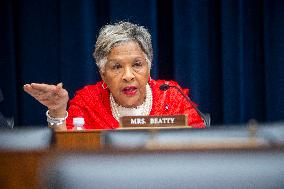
[{"x": 54, "y": 97}]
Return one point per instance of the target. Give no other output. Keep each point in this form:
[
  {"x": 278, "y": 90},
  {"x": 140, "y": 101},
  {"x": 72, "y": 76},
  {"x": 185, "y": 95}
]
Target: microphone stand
[{"x": 205, "y": 117}]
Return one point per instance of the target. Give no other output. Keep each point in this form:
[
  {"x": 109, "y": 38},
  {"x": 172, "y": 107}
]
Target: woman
[{"x": 123, "y": 54}]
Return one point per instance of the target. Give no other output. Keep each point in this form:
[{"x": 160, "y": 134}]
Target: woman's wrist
[
  {"x": 56, "y": 121},
  {"x": 57, "y": 113}
]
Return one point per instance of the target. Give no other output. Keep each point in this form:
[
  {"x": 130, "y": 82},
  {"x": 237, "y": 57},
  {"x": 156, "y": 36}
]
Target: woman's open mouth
[{"x": 129, "y": 90}]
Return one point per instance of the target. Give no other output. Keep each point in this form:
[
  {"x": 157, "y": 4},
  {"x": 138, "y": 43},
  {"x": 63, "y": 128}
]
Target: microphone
[{"x": 205, "y": 117}]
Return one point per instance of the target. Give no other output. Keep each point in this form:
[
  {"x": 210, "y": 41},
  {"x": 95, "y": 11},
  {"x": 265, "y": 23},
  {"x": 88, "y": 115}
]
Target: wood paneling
[{"x": 77, "y": 140}]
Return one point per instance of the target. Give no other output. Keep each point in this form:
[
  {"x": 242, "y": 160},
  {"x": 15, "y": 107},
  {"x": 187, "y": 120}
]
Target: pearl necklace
[{"x": 143, "y": 109}]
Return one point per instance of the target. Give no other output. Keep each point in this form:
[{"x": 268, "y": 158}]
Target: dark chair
[
  {"x": 179, "y": 138},
  {"x": 273, "y": 132},
  {"x": 125, "y": 139},
  {"x": 25, "y": 139},
  {"x": 180, "y": 170},
  {"x": 218, "y": 135}
]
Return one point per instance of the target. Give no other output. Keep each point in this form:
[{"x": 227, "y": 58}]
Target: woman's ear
[{"x": 149, "y": 78}]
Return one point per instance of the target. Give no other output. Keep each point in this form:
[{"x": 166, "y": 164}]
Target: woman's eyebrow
[
  {"x": 113, "y": 60},
  {"x": 139, "y": 58}
]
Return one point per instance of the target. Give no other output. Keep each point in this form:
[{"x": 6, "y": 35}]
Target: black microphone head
[{"x": 164, "y": 87}]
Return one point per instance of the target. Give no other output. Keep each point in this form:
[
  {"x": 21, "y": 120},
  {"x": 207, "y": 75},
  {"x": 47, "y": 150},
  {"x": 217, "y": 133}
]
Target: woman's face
[{"x": 126, "y": 74}]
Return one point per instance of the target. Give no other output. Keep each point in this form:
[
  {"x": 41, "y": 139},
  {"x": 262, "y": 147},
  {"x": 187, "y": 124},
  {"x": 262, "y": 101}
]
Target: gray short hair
[{"x": 114, "y": 34}]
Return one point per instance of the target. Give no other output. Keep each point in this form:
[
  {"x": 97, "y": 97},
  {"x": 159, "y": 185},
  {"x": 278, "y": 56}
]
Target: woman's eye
[
  {"x": 137, "y": 64},
  {"x": 116, "y": 66}
]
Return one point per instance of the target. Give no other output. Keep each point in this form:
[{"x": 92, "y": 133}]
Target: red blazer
[{"x": 92, "y": 103}]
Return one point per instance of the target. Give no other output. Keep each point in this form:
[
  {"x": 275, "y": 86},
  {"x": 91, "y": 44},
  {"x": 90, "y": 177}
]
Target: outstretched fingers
[
  {"x": 51, "y": 96},
  {"x": 37, "y": 89}
]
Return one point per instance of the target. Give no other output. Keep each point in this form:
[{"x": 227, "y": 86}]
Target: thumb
[{"x": 60, "y": 85}]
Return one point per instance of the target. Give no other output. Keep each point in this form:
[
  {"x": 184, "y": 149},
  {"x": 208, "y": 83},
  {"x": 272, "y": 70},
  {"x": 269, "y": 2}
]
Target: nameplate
[{"x": 153, "y": 121}]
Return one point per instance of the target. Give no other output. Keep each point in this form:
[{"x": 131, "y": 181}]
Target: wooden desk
[
  {"x": 20, "y": 169},
  {"x": 23, "y": 170},
  {"x": 92, "y": 140},
  {"x": 77, "y": 140}
]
